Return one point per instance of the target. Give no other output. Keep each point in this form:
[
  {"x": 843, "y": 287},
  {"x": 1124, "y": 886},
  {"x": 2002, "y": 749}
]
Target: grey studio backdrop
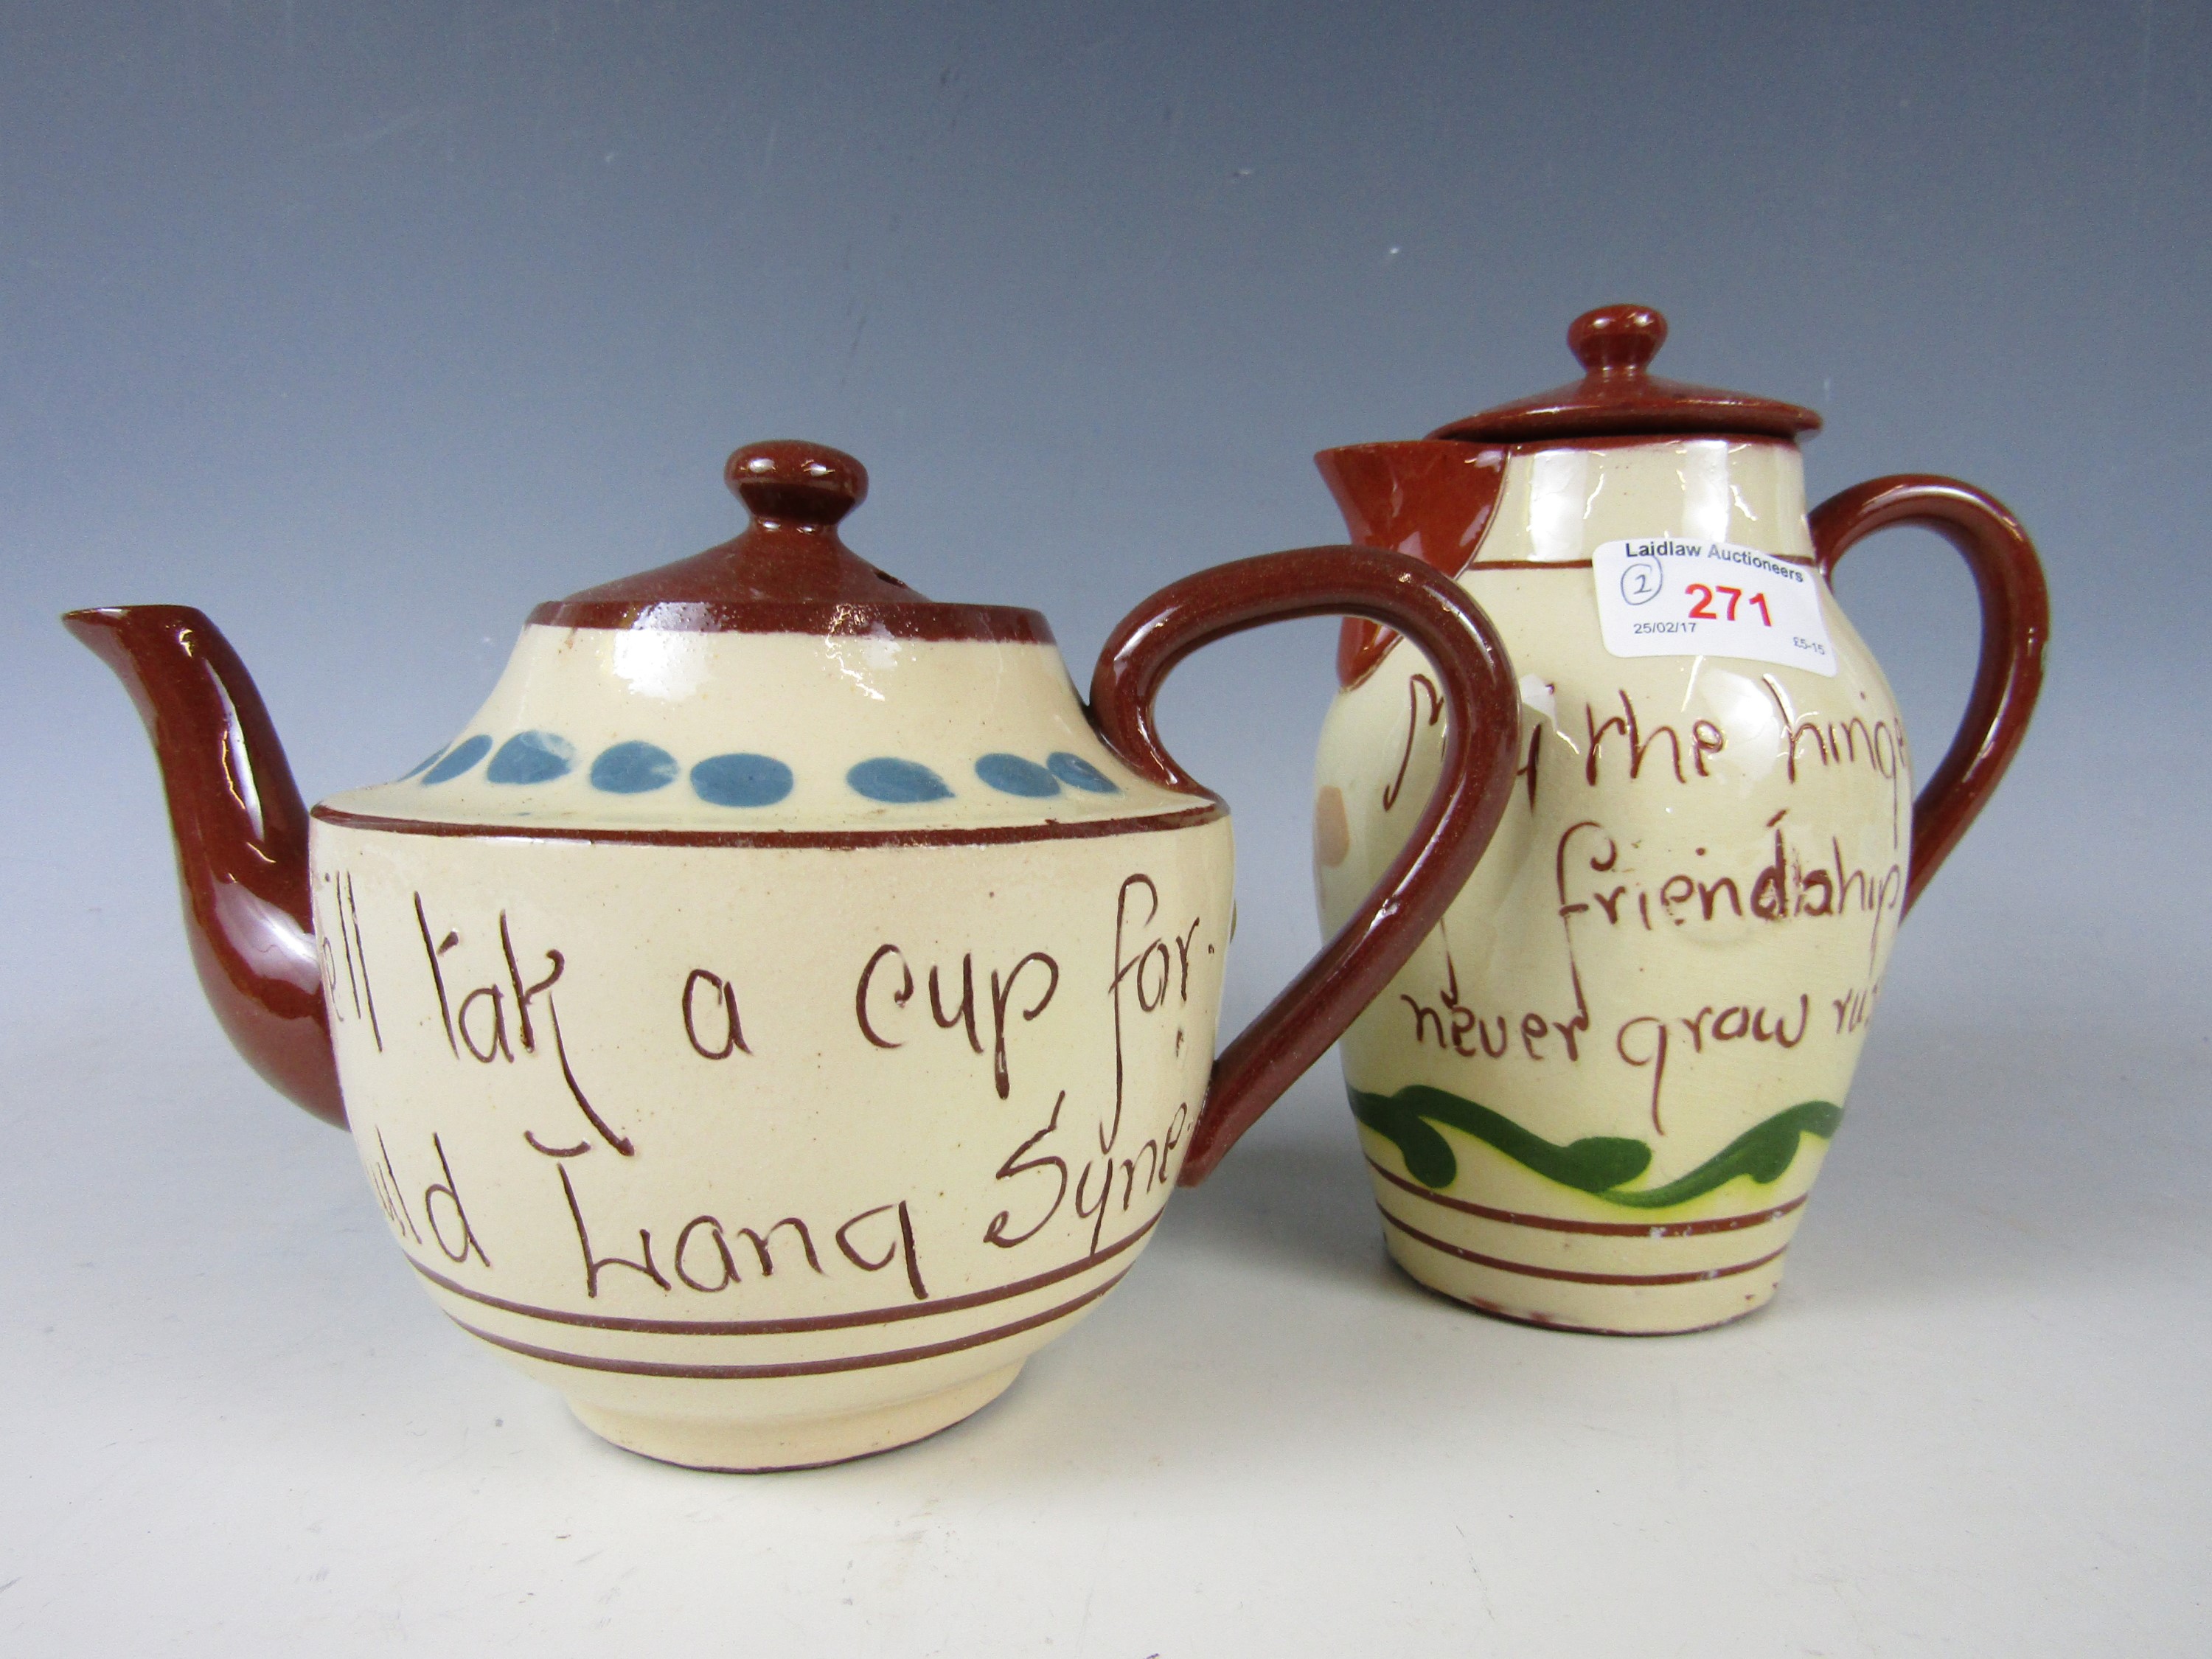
[{"x": 365, "y": 327}]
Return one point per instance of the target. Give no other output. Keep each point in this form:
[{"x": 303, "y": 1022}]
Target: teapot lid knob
[
  {"x": 1617, "y": 339},
  {"x": 791, "y": 481},
  {"x": 789, "y": 556}
]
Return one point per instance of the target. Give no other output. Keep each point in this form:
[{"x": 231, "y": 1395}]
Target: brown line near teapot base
[
  {"x": 1531, "y": 1270},
  {"x": 859, "y": 1362},
  {"x": 787, "y": 1327},
  {"x": 986, "y": 835},
  {"x": 1608, "y": 1228}
]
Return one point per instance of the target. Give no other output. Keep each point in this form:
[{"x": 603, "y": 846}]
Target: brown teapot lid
[
  {"x": 788, "y": 571},
  {"x": 1616, "y": 396}
]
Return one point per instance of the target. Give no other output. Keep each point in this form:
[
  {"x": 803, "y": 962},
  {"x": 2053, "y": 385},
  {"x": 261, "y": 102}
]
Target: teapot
[
  {"x": 783, "y": 1007},
  {"x": 1598, "y": 1095}
]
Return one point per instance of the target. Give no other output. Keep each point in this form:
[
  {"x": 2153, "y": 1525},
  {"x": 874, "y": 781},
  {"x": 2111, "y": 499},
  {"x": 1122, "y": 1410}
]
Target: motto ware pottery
[
  {"x": 1598, "y": 1095},
  {"x": 784, "y": 1007}
]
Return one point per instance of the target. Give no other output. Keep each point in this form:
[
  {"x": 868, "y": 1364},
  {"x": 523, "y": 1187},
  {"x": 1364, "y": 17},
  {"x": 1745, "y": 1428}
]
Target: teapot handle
[
  {"x": 1481, "y": 742},
  {"x": 2015, "y": 627}
]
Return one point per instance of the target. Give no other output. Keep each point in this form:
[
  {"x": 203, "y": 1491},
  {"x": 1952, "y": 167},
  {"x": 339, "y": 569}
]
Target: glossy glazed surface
[
  {"x": 771, "y": 1036},
  {"x": 756, "y": 1153},
  {"x": 1477, "y": 736},
  {"x": 787, "y": 571},
  {"x": 1618, "y": 396},
  {"x": 241, "y": 834},
  {"x": 1599, "y": 1094},
  {"x": 2015, "y": 632},
  {"x": 642, "y": 728}
]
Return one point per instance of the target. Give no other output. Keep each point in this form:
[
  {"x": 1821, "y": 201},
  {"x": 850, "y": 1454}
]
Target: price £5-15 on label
[{"x": 1660, "y": 596}]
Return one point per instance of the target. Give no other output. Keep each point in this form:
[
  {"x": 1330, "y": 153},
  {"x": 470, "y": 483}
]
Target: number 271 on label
[{"x": 1660, "y": 596}]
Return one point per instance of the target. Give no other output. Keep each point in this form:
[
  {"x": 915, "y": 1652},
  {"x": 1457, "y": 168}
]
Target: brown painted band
[
  {"x": 988, "y": 834},
  {"x": 859, "y": 1362},
  {"x": 1361, "y": 645},
  {"x": 1530, "y": 1270},
  {"x": 820, "y": 619},
  {"x": 1797, "y": 559},
  {"x": 787, "y": 1327},
  {"x": 1606, "y": 1228}
]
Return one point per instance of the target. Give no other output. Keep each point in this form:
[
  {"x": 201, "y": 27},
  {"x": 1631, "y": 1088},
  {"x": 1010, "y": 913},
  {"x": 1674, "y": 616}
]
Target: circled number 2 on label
[{"x": 1641, "y": 583}]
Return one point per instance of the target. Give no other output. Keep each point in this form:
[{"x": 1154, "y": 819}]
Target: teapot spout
[{"x": 241, "y": 835}]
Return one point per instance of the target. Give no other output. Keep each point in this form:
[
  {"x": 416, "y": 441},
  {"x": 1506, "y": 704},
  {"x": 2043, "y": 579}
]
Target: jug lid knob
[
  {"x": 789, "y": 480},
  {"x": 1617, "y": 339},
  {"x": 1618, "y": 398}
]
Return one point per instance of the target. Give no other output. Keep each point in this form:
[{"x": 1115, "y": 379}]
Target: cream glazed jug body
[
  {"x": 1598, "y": 1094},
  {"x": 783, "y": 1007}
]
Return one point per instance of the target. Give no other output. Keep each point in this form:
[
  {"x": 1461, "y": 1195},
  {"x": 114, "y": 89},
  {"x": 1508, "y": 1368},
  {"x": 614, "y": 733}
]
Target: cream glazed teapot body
[
  {"x": 1598, "y": 1094},
  {"x": 784, "y": 1007}
]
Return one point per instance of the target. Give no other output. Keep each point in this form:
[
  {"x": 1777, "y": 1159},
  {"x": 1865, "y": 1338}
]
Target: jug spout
[
  {"x": 1430, "y": 497},
  {"x": 241, "y": 835}
]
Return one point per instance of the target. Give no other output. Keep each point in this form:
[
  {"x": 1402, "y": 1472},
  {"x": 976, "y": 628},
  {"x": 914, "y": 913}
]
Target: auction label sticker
[{"x": 1658, "y": 597}]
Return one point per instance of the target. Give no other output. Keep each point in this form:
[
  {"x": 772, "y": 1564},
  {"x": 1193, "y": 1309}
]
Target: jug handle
[
  {"x": 2016, "y": 628},
  {"x": 1482, "y": 703}
]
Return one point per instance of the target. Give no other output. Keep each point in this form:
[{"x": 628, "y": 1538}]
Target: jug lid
[
  {"x": 1616, "y": 396},
  {"x": 777, "y": 688}
]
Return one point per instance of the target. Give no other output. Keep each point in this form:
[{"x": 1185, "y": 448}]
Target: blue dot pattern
[
  {"x": 634, "y": 768},
  {"x": 741, "y": 780},
  {"x": 1010, "y": 775},
  {"x": 458, "y": 759},
  {"x": 900, "y": 782},
  {"x": 1078, "y": 773},
  {"x": 531, "y": 757},
  {"x": 422, "y": 765}
]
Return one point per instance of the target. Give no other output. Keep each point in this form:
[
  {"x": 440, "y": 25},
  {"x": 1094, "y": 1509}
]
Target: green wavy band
[{"x": 1597, "y": 1164}]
